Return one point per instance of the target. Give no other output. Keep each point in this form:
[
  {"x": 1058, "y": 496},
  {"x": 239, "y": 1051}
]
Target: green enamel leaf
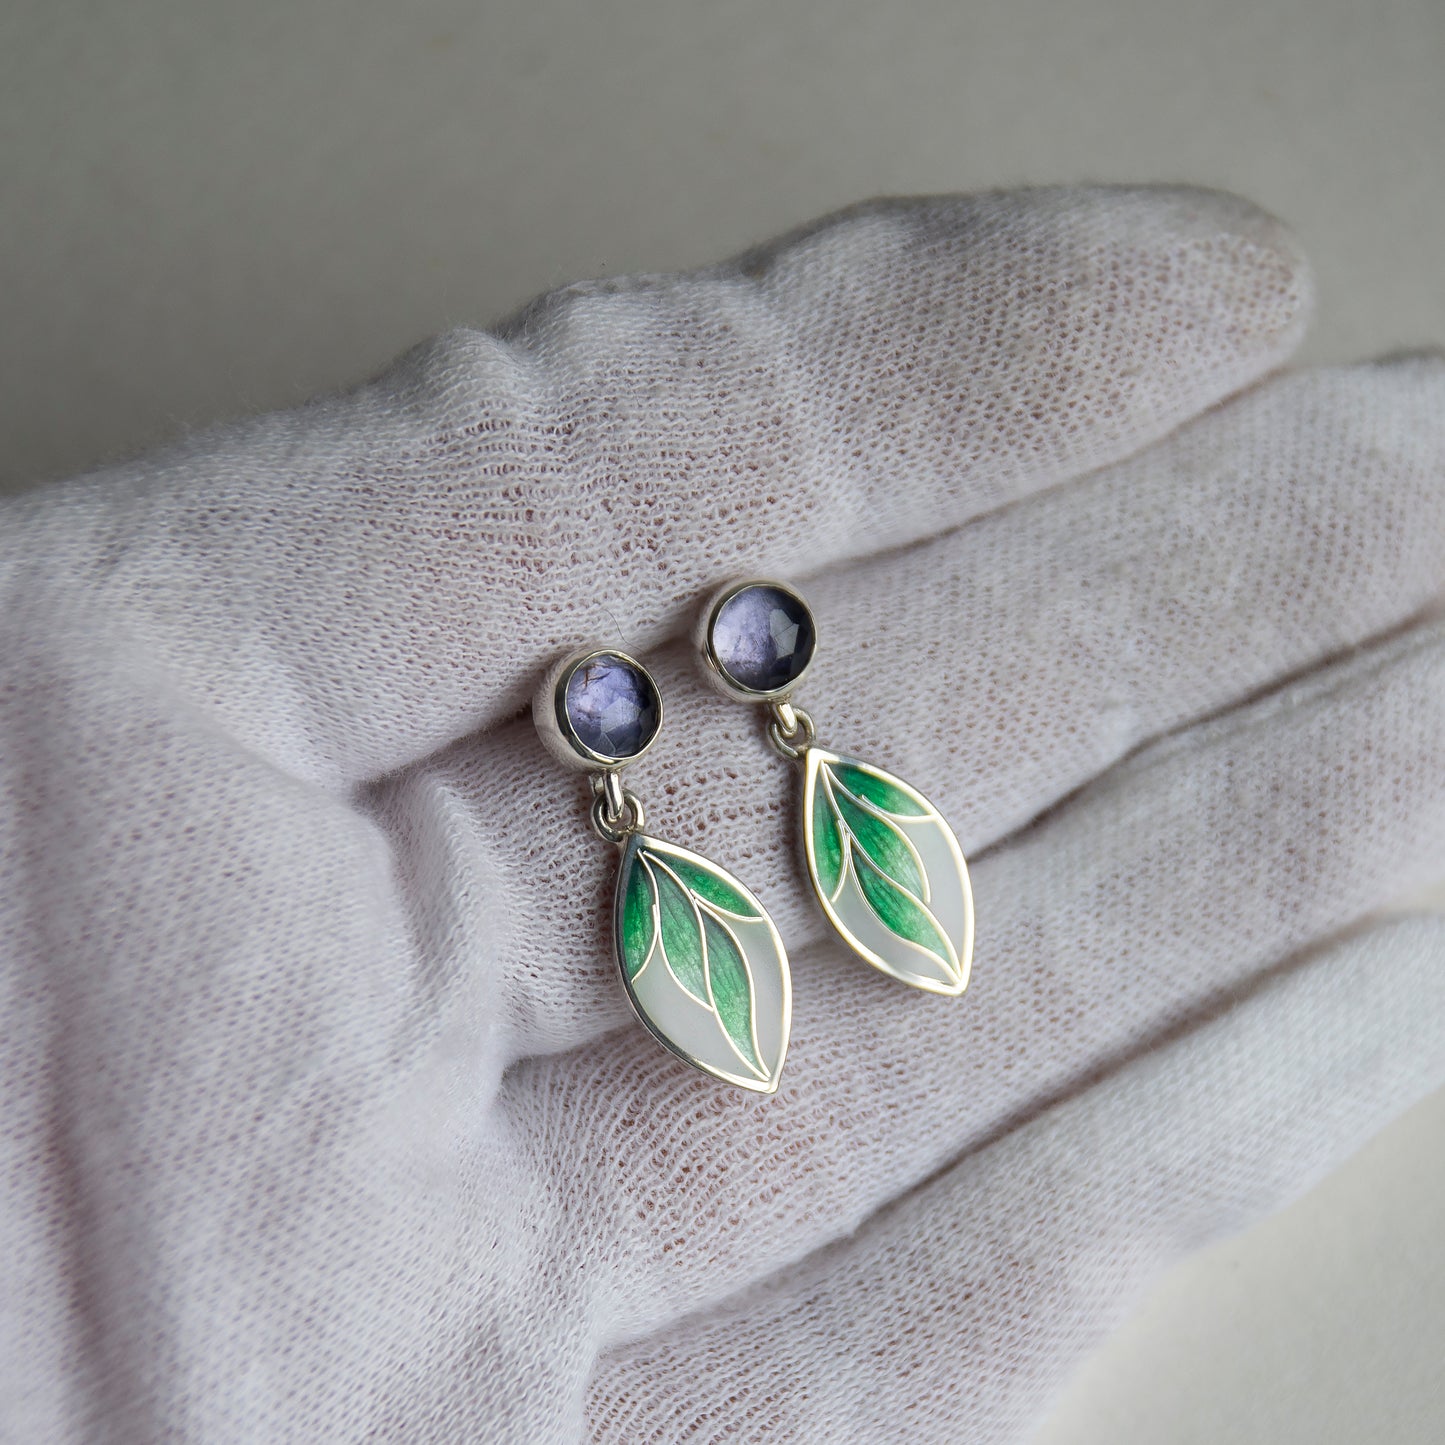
[
  {"x": 827, "y": 844},
  {"x": 881, "y": 840},
  {"x": 732, "y": 990},
  {"x": 900, "y": 912},
  {"x": 681, "y": 935},
  {"x": 638, "y": 924},
  {"x": 879, "y": 791},
  {"x": 709, "y": 887}
]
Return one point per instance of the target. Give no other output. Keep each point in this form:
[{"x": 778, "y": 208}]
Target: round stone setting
[
  {"x": 762, "y": 638},
  {"x": 610, "y": 707}
]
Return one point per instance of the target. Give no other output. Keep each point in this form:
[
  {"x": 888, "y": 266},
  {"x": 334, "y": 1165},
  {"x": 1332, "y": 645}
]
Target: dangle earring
[
  {"x": 886, "y": 867},
  {"x": 700, "y": 959}
]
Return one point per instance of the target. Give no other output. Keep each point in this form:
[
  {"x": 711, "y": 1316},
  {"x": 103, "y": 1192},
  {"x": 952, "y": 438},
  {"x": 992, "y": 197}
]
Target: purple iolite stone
[
  {"x": 763, "y": 638},
  {"x": 612, "y": 706}
]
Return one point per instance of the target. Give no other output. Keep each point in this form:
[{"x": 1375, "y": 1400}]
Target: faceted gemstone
[
  {"x": 763, "y": 638},
  {"x": 612, "y": 706}
]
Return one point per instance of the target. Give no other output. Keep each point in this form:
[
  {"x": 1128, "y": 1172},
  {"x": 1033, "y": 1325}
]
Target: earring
[
  {"x": 700, "y": 959},
  {"x": 886, "y": 867}
]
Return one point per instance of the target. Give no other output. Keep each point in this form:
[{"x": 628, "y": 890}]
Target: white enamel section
[
  {"x": 690, "y": 1029},
  {"x": 950, "y": 899}
]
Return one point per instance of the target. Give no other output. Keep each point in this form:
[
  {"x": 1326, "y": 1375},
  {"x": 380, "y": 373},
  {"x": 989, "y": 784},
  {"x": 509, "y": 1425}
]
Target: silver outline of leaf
[
  {"x": 691, "y": 874},
  {"x": 710, "y": 917},
  {"x": 705, "y": 913},
  {"x": 840, "y": 795},
  {"x": 638, "y": 870},
  {"x": 664, "y": 917},
  {"x": 823, "y": 811},
  {"x": 948, "y": 957},
  {"x": 890, "y": 785}
]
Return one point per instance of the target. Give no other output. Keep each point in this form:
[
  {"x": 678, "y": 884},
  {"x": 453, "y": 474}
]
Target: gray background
[{"x": 215, "y": 209}]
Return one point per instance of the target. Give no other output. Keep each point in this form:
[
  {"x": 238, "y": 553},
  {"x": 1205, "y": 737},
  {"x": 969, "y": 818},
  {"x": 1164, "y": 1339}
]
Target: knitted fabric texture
[{"x": 322, "y": 1113}]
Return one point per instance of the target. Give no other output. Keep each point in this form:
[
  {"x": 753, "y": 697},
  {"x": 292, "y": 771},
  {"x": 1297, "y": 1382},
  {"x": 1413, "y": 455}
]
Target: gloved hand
[{"x": 324, "y": 1117}]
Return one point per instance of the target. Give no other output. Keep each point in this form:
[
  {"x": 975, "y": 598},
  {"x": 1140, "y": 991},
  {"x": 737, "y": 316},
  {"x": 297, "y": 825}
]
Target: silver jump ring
[
  {"x": 790, "y": 730},
  {"x": 611, "y": 788},
  {"x": 616, "y": 811}
]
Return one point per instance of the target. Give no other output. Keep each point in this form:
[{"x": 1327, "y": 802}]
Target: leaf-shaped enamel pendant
[
  {"x": 702, "y": 963},
  {"x": 888, "y": 871}
]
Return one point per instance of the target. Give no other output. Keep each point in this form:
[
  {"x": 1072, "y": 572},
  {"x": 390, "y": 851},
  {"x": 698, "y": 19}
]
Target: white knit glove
[{"x": 324, "y": 1117}]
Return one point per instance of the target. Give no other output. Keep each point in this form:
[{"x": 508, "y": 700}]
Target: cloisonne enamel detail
[
  {"x": 888, "y": 872},
  {"x": 700, "y": 959},
  {"x": 702, "y": 963}
]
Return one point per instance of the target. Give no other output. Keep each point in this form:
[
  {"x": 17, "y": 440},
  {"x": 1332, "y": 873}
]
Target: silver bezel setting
[
  {"x": 713, "y": 670},
  {"x": 554, "y": 728}
]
